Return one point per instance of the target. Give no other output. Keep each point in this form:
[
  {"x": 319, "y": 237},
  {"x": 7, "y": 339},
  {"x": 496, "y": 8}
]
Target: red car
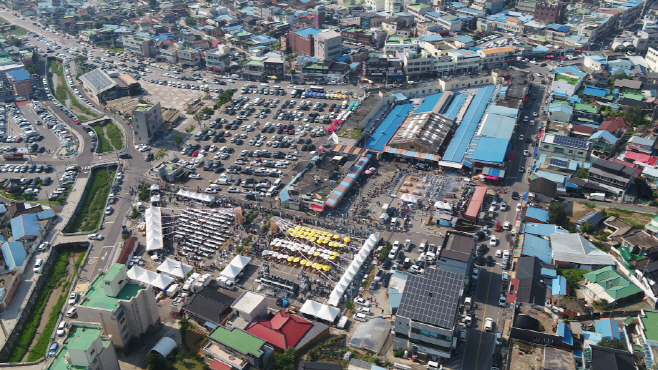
[
  {"x": 498, "y": 227},
  {"x": 77, "y": 121},
  {"x": 291, "y": 132},
  {"x": 196, "y": 152}
]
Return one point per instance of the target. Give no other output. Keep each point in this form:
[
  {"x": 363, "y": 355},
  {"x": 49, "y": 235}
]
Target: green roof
[
  {"x": 96, "y": 297},
  {"x": 650, "y": 323},
  {"x": 255, "y": 63},
  {"x": 613, "y": 283},
  {"x": 114, "y": 271},
  {"x": 139, "y": 108},
  {"x": 633, "y": 96},
  {"x": 239, "y": 340},
  {"x": 585, "y": 107},
  {"x": 570, "y": 80},
  {"x": 78, "y": 340}
]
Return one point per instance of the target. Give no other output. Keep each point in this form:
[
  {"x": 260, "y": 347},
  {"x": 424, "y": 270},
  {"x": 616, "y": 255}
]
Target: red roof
[
  {"x": 642, "y": 158},
  {"x": 613, "y": 124},
  {"x": 475, "y": 205},
  {"x": 584, "y": 130},
  {"x": 127, "y": 250},
  {"x": 283, "y": 330},
  {"x": 218, "y": 365}
]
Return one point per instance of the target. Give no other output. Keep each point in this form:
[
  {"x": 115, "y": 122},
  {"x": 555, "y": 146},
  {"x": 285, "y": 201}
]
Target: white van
[
  {"x": 505, "y": 276},
  {"x": 271, "y": 191},
  {"x": 394, "y": 221},
  {"x": 433, "y": 365},
  {"x": 361, "y": 317},
  {"x": 38, "y": 266},
  {"x": 71, "y": 312},
  {"x": 277, "y": 183}
]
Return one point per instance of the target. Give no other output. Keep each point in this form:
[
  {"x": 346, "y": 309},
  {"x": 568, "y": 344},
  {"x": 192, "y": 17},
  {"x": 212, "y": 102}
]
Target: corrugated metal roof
[
  {"x": 536, "y": 247},
  {"x": 339, "y": 192}
]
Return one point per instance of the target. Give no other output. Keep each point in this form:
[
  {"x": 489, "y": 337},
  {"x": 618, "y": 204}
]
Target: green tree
[
  {"x": 162, "y": 152},
  {"x": 157, "y": 362},
  {"x": 473, "y": 24},
  {"x": 198, "y": 117},
  {"x": 190, "y": 21},
  {"x": 557, "y": 215},
  {"x": 611, "y": 343},
  {"x": 16, "y": 42},
  {"x": 207, "y": 110},
  {"x": 32, "y": 68},
  {"x": 581, "y": 173},
  {"x": 573, "y": 276},
  {"x": 190, "y": 129},
  {"x": 178, "y": 140},
  {"x": 635, "y": 116},
  {"x": 285, "y": 360},
  {"x": 587, "y": 227}
]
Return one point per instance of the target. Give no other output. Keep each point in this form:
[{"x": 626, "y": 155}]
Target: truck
[
  {"x": 172, "y": 290},
  {"x": 596, "y": 196},
  {"x": 344, "y": 105},
  {"x": 224, "y": 178},
  {"x": 225, "y": 282},
  {"x": 13, "y": 156}
]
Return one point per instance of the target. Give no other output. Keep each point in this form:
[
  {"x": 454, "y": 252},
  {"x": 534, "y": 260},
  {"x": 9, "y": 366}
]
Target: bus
[{"x": 318, "y": 89}]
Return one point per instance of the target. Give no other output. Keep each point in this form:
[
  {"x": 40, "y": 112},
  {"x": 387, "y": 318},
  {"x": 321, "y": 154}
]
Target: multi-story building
[
  {"x": 125, "y": 311},
  {"x": 21, "y": 83},
  {"x": 643, "y": 39},
  {"x": 328, "y": 45},
  {"x": 219, "y": 59},
  {"x": 567, "y": 83},
  {"x": 146, "y": 120},
  {"x": 85, "y": 347},
  {"x": 466, "y": 61},
  {"x": 393, "y": 6},
  {"x": 417, "y": 65},
  {"x": 550, "y": 12},
  {"x": 652, "y": 59},
  {"x": 141, "y": 46},
  {"x": 301, "y": 41},
  {"x": 357, "y": 36},
  {"x": 397, "y": 44},
  {"x": 426, "y": 319},
  {"x": 274, "y": 67},
  {"x": 448, "y": 21},
  {"x": 189, "y": 57},
  {"x": 494, "y": 6},
  {"x": 497, "y": 58},
  {"x": 614, "y": 176},
  {"x": 254, "y": 70},
  {"x": 565, "y": 147}
]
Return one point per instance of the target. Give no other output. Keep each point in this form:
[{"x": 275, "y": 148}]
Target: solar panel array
[
  {"x": 99, "y": 79},
  {"x": 557, "y": 162},
  {"x": 570, "y": 141},
  {"x": 433, "y": 298}
]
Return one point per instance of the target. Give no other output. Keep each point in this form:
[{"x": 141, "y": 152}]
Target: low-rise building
[
  {"x": 219, "y": 59},
  {"x": 496, "y": 58},
  {"x": 607, "y": 284},
  {"x": 238, "y": 349},
  {"x": 616, "y": 177},
  {"x": 567, "y": 83},
  {"x": 328, "y": 45},
  {"x": 140, "y": 46},
  {"x": 125, "y": 310},
  {"x": 565, "y": 147},
  {"x": 86, "y": 347}
]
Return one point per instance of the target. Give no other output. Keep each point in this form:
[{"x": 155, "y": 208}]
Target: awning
[
  {"x": 316, "y": 207},
  {"x": 211, "y": 325}
]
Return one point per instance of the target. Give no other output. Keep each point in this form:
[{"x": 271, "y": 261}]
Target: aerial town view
[{"x": 329, "y": 185}]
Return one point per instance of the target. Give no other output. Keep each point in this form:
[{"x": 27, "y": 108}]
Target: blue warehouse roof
[
  {"x": 542, "y": 230},
  {"x": 537, "y": 214},
  {"x": 14, "y": 254},
  {"x": 537, "y": 247},
  {"x": 19, "y": 75},
  {"x": 25, "y": 226}
]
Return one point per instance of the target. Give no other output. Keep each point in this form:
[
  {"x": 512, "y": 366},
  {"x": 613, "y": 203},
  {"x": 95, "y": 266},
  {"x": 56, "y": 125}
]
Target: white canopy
[
  {"x": 241, "y": 261},
  {"x": 319, "y": 310},
  {"x": 352, "y": 270},
  {"x": 235, "y": 267},
  {"x": 149, "y": 277},
  {"x": 196, "y": 196},
  {"x": 409, "y": 198},
  {"x": 444, "y": 206},
  {"x": 154, "y": 229},
  {"x": 174, "y": 268}
]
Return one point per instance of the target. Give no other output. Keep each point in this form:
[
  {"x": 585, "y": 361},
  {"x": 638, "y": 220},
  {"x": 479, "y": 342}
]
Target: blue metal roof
[
  {"x": 564, "y": 332},
  {"x": 491, "y": 150},
  {"x": 595, "y": 91},
  {"x": 537, "y": 214},
  {"x": 457, "y": 148},
  {"x": 24, "y": 226},
  {"x": 19, "y": 75},
  {"x": 400, "y": 97},
  {"x": 339, "y": 192},
  {"x": 498, "y": 126},
  {"x": 558, "y": 27},
  {"x": 430, "y": 38},
  {"x": 503, "y": 111},
  {"x": 537, "y": 247},
  {"x": 464, "y": 39},
  {"x": 543, "y": 229},
  {"x": 14, "y": 254},
  {"x": 455, "y": 106},
  {"x": 388, "y": 127},
  {"x": 394, "y": 298},
  {"x": 428, "y": 103},
  {"x": 607, "y": 328},
  {"x": 3, "y": 209},
  {"x": 559, "y": 286},
  {"x": 306, "y": 32},
  {"x": 45, "y": 214}
]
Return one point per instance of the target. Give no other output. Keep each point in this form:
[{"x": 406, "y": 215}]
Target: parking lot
[{"x": 265, "y": 132}]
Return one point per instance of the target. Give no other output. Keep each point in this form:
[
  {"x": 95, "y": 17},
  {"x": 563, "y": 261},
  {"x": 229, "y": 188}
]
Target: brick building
[
  {"x": 550, "y": 12},
  {"x": 301, "y": 41}
]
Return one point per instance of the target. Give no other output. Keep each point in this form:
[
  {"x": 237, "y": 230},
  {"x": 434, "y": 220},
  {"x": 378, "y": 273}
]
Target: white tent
[
  {"x": 154, "y": 229},
  {"x": 319, "y": 310},
  {"x": 195, "y": 196},
  {"x": 442, "y": 206},
  {"x": 409, "y": 198},
  {"x": 241, "y": 261},
  {"x": 231, "y": 272},
  {"x": 352, "y": 270},
  {"x": 149, "y": 277},
  {"x": 174, "y": 268}
]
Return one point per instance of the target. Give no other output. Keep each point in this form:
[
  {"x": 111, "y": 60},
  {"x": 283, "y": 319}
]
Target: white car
[
  {"x": 195, "y": 176},
  {"x": 233, "y": 189},
  {"x": 493, "y": 240},
  {"x": 96, "y": 237},
  {"x": 43, "y": 246},
  {"x": 211, "y": 190},
  {"x": 61, "y": 328},
  {"x": 521, "y": 137},
  {"x": 507, "y": 225},
  {"x": 362, "y": 302},
  {"x": 73, "y": 298},
  {"x": 108, "y": 211},
  {"x": 488, "y": 324}
]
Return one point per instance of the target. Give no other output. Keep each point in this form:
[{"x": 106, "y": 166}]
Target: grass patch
[
  {"x": 41, "y": 346},
  {"x": 588, "y": 205},
  {"x": 104, "y": 145},
  {"x": 29, "y": 329},
  {"x": 632, "y": 222},
  {"x": 115, "y": 135},
  {"x": 62, "y": 93},
  {"x": 351, "y": 133},
  {"x": 93, "y": 202},
  {"x": 19, "y": 31},
  {"x": 83, "y": 108}
]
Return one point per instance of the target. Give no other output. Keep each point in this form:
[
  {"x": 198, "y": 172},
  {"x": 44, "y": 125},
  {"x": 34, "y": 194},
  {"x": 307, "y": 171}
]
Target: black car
[
  {"x": 482, "y": 249},
  {"x": 125, "y": 156},
  {"x": 149, "y": 157},
  {"x": 490, "y": 261},
  {"x": 480, "y": 261},
  {"x": 515, "y": 196},
  {"x": 400, "y": 257},
  {"x": 496, "y": 360},
  {"x": 479, "y": 235},
  {"x": 386, "y": 279}
]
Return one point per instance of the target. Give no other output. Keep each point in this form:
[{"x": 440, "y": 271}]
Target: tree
[
  {"x": 207, "y": 110},
  {"x": 288, "y": 50},
  {"x": 17, "y": 42},
  {"x": 178, "y": 140},
  {"x": 611, "y": 343},
  {"x": 581, "y": 173},
  {"x": 473, "y": 25},
  {"x": 162, "y": 152},
  {"x": 198, "y": 117},
  {"x": 190, "y": 129},
  {"x": 157, "y": 362},
  {"x": 557, "y": 215},
  {"x": 190, "y": 21},
  {"x": 635, "y": 116},
  {"x": 587, "y": 227},
  {"x": 285, "y": 360},
  {"x": 33, "y": 69}
]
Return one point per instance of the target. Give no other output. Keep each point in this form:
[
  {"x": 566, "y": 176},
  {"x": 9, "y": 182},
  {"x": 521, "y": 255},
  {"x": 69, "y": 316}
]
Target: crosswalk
[{"x": 82, "y": 288}]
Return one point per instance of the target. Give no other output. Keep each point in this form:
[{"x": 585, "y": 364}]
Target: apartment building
[
  {"x": 496, "y": 58},
  {"x": 565, "y": 147},
  {"x": 395, "y": 44},
  {"x": 301, "y": 41},
  {"x": 614, "y": 176},
  {"x": 219, "y": 59},
  {"x": 140, "y": 46},
  {"x": 357, "y": 36},
  {"x": 466, "y": 61},
  {"x": 274, "y": 67},
  {"x": 328, "y": 45},
  {"x": 417, "y": 65},
  {"x": 550, "y": 12},
  {"x": 652, "y": 59},
  {"x": 85, "y": 347},
  {"x": 126, "y": 311},
  {"x": 146, "y": 120}
]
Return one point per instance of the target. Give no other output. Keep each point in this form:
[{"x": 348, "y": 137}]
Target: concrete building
[
  {"x": 652, "y": 59},
  {"x": 141, "y": 46},
  {"x": 565, "y": 147},
  {"x": 466, "y": 61},
  {"x": 238, "y": 349},
  {"x": 614, "y": 176},
  {"x": 567, "y": 83},
  {"x": 98, "y": 84},
  {"x": 275, "y": 67},
  {"x": 146, "y": 120},
  {"x": 302, "y": 41},
  {"x": 21, "y": 84},
  {"x": 427, "y": 316},
  {"x": 218, "y": 60},
  {"x": 450, "y": 22},
  {"x": 328, "y": 45},
  {"x": 125, "y": 311},
  {"x": 497, "y": 58},
  {"x": 189, "y": 57},
  {"x": 550, "y": 12},
  {"x": 86, "y": 347}
]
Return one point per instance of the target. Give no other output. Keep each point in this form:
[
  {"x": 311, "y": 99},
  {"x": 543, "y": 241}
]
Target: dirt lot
[
  {"x": 580, "y": 209},
  {"x": 526, "y": 360}
]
